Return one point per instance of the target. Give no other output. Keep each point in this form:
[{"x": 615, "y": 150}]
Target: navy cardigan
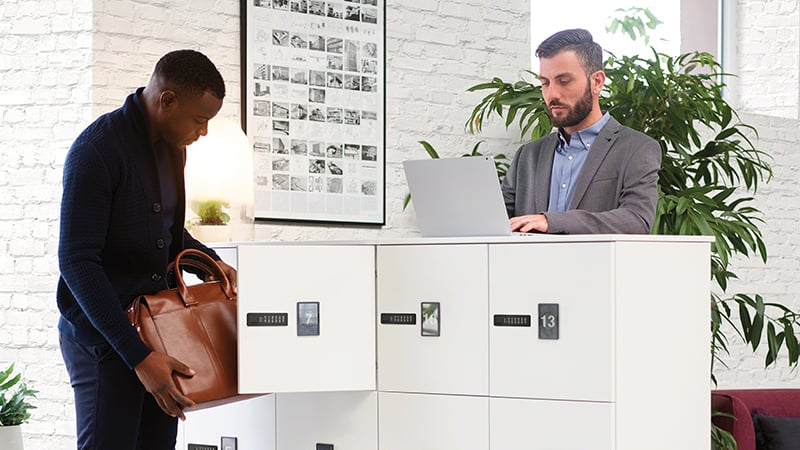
[{"x": 112, "y": 245}]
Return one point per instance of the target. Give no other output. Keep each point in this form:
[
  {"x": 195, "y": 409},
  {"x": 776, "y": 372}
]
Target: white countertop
[{"x": 516, "y": 239}]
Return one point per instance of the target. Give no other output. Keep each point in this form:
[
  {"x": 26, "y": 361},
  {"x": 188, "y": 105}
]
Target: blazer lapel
[
  {"x": 598, "y": 152},
  {"x": 544, "y": 170}
]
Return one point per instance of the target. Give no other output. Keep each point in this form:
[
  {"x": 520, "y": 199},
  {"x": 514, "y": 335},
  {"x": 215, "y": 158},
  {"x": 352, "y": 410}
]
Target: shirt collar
[{"x": 586, "y": 136}]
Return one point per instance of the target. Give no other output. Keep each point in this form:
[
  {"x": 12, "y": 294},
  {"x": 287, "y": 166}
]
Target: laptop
[{"x": 457, "y": 197}]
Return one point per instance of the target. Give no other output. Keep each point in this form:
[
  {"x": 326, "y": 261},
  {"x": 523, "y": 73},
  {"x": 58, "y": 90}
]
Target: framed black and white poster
[{"x": 313, "y": 77}]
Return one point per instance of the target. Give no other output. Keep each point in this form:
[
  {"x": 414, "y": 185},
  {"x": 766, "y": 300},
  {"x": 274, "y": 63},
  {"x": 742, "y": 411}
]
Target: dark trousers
[{"x": 112, "y": 408}]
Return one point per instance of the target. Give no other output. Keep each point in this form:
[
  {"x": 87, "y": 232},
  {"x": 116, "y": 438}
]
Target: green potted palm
[{"x": 14, "y": 408}]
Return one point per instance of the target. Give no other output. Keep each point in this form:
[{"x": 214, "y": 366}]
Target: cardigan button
[
  {"x": 155, "y": 277},
  {"x": 160, "y": 243},
  {"x": 156, "y": 207}
]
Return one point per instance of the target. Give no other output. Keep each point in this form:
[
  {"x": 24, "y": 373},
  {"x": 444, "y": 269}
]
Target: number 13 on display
[{"x": 548, "y": 320}]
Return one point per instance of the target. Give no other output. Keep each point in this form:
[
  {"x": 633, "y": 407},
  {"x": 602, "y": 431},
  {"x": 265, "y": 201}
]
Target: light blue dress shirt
[{"x": 568, "y": 162}]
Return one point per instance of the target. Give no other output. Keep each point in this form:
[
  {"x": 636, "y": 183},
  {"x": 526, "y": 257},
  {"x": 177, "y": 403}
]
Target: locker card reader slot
[
  {"x": 512, "y": 320},
  {"x": 399, "y": 318},
  {"x": 267, "y": 319}
]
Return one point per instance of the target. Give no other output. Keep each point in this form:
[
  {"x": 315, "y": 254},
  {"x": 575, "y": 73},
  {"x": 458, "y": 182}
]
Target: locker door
[
  {"x": 443, "y": 288},
  {"x": 306, "y": 318}
]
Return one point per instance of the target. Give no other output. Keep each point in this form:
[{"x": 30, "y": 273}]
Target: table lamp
[{"x": 219, "y": 184}]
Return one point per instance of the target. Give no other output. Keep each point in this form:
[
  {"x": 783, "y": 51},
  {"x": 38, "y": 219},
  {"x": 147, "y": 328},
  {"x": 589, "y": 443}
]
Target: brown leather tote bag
[{"x": 196, "y": 325}]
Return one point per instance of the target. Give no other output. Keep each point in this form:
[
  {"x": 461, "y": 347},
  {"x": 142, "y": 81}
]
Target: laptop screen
[{"x": 457, "y": 197}]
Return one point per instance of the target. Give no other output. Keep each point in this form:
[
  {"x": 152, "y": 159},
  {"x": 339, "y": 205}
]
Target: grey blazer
[{"x": 616, "y": 191}]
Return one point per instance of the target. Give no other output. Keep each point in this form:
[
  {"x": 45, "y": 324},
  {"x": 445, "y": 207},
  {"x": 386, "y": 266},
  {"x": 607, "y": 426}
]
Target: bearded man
[{"x": 592, "y": 175}]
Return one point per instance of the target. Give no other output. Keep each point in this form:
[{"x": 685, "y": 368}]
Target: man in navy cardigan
[{"x": 122, "y": 216}]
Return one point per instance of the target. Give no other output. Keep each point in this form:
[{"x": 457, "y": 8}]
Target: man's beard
[{"x": 576, "y": 114}]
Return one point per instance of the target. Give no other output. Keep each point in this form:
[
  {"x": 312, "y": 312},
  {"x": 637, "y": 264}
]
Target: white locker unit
[
  {"x": 251, "y": 422},
  {"x": 551, "y": 425},
  {"x": 663, "y": 316},
  {"x": 623, "y": 332},
  {"x": 433, "y": 422},
  {"x": 551, "y": 342},
  {"x": 578, "y": 363},
  {"x": 306, "y": 318},
  {"x": 345, "y": 420},
  {"x": 449, "y": 353}
]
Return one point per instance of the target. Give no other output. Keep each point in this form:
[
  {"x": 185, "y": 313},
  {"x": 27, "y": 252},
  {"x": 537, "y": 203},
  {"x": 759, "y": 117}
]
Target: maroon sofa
[{"x": 742, "y": 403}]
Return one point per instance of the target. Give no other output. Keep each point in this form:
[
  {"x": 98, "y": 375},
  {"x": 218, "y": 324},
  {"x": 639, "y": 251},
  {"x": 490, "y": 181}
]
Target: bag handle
[
  {"x": 210, "y": 268},
  {"x": 202, "y": 266}
]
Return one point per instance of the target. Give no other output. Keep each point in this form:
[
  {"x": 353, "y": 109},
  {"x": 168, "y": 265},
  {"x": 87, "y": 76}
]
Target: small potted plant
[
  {"x": 212, "y": 220},
  {"x": 14, "y": 408}
]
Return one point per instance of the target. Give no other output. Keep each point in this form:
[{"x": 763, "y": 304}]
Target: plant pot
[
  {"x": 211, "y": 233},
  {"x": 11, "y": 438}
]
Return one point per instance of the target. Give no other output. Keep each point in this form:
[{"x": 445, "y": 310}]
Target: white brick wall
[
  {"x": 45, "y": 99},
  {"x": 779, "y": 279},
  {"x": 65, "y": 62},
  {"x": 130, "y": 36},
  {"x": 769, "y": 57}
]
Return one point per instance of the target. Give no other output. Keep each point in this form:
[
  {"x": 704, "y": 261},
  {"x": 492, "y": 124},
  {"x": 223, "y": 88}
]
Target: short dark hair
[
  {"x": 191, "y": 71},
  {"x": 589, "y": 52}
]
